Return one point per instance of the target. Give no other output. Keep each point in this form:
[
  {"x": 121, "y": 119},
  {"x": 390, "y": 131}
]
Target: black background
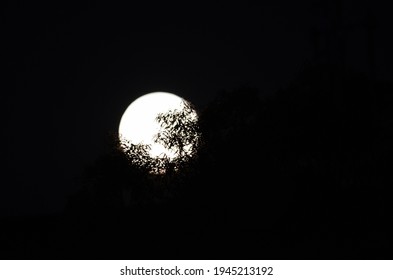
[{"x": 72, "y": 68}]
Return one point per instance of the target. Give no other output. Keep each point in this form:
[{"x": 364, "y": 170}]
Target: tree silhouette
[
  {"x": 308, "y": 168},
  {"x": 180, "y": 131},
  {"x": 128, "y": 175}
]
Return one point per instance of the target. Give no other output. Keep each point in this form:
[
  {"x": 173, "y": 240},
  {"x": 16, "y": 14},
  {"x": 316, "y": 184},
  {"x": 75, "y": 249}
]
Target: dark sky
[{"x": 72, "y": 68}]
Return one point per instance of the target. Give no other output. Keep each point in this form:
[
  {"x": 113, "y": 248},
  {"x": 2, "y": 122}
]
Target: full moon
[{"x": 138, "y": 124}]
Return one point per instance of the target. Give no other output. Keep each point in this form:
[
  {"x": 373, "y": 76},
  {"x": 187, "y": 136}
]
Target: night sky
[{"x": 72, "y": 68}]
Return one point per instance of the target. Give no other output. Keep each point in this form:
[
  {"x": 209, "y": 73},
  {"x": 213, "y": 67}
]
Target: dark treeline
[{"x": 303, "y": 174}]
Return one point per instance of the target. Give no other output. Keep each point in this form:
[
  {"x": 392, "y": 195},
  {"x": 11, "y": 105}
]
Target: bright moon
[{"x": 138, "y": 124}]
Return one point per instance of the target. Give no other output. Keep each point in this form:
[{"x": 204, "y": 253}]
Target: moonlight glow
[{"x": 138, "y": 124}]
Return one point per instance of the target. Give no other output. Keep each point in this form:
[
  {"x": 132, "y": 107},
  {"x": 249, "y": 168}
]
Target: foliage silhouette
[
  {"x": 180, "y": 131},
  {"x": 128, "y": 176}
]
